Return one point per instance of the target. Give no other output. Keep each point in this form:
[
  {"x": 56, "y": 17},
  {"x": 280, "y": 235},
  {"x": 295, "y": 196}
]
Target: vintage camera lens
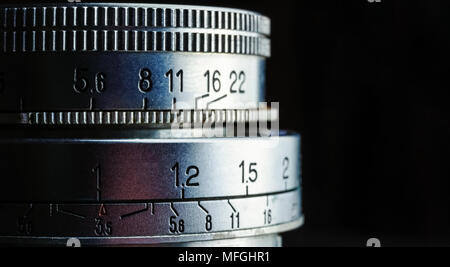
[{"x": 141, "y": 124}]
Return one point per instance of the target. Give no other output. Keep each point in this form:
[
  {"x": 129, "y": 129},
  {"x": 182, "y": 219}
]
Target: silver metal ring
[
  {"x": 200, "y": 41},
  {"x": 152, "y": 169},
  {"x": 141, "y": 124},
  {"x": 137, "y": 224},
  {"x": 147, "y": 190},
  {"x": 113, "y": 16},
  {"x": 129, "y": 81}
]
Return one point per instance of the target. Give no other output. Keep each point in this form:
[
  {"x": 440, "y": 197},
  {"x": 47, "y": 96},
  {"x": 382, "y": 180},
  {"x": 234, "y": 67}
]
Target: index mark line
[
  {"x": 174, "y": 103},
  {"x": 97, "y": 172},
  {"x": 91, "y": 103},
  {"x": 135, "y": 212},
  {"x": 198, "y": 98},
  {"x": 229, "y": 203},
  {"x": 69, "y": 213},
  {"x": 215, "y": 100},
  {"x": 173, "y": 209},
  {"x": 203, "y": 208},
  {"x": 175, "y": 200},
  {"x": 144, "y": 103}
]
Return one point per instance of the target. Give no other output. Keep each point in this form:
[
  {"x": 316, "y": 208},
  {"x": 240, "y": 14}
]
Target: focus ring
[
  {"x": 134, "y": 169},
  {"x": 133, "y": 41},
  {"x": 144, "y": 15}
]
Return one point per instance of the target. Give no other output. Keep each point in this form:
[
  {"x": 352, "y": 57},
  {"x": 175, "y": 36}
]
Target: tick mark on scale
[
  {"x": 135, "y": 212},
  {"x": 69, "y": 213},
  {"x": 144, "y": 103},
  {"x": 229, "y": 203},
  {"x": 173, "y": 209},
  {"x": 91, "y": 103},
  {"x": 203, "y": 208}
]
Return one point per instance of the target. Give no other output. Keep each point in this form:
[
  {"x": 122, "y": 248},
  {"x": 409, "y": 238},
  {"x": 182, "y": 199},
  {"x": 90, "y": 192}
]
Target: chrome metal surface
[
  {"x": 115, "y": 128},
  {"x": 149, "y": 118},
  {"x": 118, "y": 16},
  {"x": 135, "y": 81},
  {"x": 149, "y": 223},
  {"x": 147, "y": 169}
]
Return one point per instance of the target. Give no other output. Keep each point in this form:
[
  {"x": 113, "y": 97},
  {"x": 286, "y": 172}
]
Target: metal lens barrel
[{"x": 141, "y": 125}]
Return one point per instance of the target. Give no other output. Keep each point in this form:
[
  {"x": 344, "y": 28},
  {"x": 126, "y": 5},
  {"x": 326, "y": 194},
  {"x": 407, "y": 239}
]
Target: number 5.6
[{"x": 81, "y": 84}]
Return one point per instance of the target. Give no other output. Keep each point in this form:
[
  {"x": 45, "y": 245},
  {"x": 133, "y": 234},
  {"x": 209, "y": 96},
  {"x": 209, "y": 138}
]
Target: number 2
[
  {"x": 234, "y": 77},
  {"x": 285, "y": 168}
]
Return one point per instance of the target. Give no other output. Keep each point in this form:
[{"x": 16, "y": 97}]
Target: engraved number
[
  {"x": 179, "y": 75},
  {"x": 252, "y": 172},
  {"x": 285, "y": 168},
  {"x": 80, "y": 82},
  {"x": 191, "y": 173},
  {"x": 234, "y": 220},
  {"x": 145, "y": 81},
  {"x": 176, "y": 227},
  {"x": 103, "y": 228},
  {"x": 208, "y": 224},
  {"x": 267, "y": 216},
  {"x": 213, "y": 83},
  {"x": 235, "y": 78},
  {"x": 100, "y": 82}
]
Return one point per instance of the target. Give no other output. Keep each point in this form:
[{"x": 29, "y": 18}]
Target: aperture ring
[{"x": 53, "y": 82}]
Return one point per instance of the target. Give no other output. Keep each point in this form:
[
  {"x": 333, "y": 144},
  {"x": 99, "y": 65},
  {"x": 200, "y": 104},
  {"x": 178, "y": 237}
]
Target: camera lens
[{"x": 141, "y": 124}]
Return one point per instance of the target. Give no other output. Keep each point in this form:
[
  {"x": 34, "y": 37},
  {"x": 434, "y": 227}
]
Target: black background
[{"x": 366, "y": 84}]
